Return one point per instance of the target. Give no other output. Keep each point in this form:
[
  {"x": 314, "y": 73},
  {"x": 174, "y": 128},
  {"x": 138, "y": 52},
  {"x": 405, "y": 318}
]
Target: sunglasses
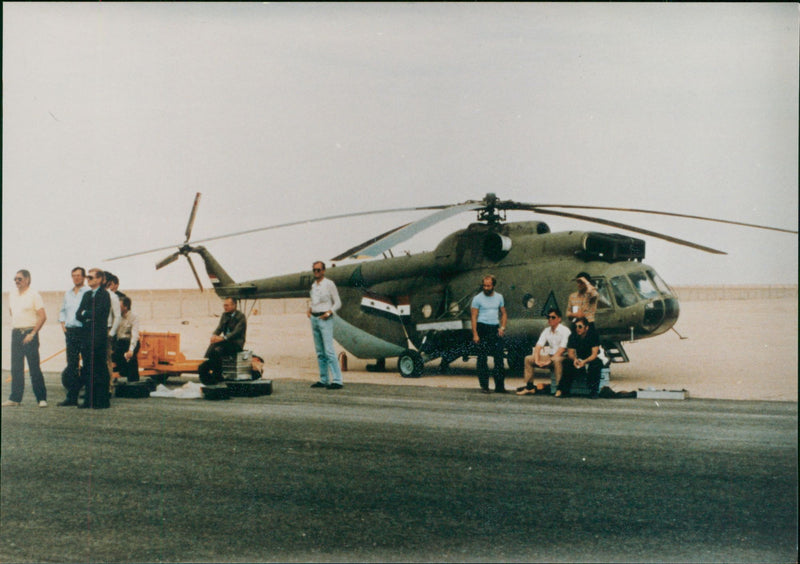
[
  {"x": 18, "y": 279},
  {"x": 580, "y": 327},
  {"x": 90, "y": 277},
  {"x": 317, "y": 270}
]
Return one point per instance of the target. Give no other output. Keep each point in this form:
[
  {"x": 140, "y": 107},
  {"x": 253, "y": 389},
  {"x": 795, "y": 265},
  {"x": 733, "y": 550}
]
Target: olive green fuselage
[{"x": 423, "y": 301}]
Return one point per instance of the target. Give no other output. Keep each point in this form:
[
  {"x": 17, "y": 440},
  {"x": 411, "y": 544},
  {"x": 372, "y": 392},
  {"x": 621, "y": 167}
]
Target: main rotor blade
[
  {"x": 656, "y": 212},
  {"x": 194, "y": 271},
  {"x": 627, "y": 228},
  {"x": 353, "y": 250},
  {"x": 289, "y": 224},
  {"x": 397, "y": 236},
  {"x": 169, "y": 260},
  {"x": 191, "y": 217}
]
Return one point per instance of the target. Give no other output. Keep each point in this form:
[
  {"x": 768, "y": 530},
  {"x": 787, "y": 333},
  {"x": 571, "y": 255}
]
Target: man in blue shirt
[
  {"x": 70, "y": 377},
  {"x": 488, "y": 327}
]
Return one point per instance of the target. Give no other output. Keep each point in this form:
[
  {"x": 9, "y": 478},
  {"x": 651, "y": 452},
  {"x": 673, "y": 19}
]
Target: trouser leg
[
  {"x": 319, "y": 347},
  {"x": 17, "y": 366},
  {"x": 101, "y": 378},
  {"x": 529, "y": 367},
  {"x": 558, "y": 367},
  {"x": 72, "y": 378},
  {"x": 499, "y": 371},
  {"x": 326, "y": 335},
  {"x": 37, "y": 378},
  {"x": 593, "y": 377},
  {"x": 133, "y": 366},
  {"x": 214, "y": 354},
  {"x": 567, "y": 377}
]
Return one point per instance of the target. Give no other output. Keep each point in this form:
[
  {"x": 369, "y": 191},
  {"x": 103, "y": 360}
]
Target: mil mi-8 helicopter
[{"x": 417, "y": 307}]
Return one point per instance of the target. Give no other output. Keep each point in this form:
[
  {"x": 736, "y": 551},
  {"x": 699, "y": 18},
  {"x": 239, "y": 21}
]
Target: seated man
[
  {"x": 548, "y": 352},
  {"x": 583, "y": 347},
  {"x": 228, "y": 339}
]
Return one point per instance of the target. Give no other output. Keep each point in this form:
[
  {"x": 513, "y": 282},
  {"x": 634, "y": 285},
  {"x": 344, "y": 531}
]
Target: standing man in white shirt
[
  {"x": 27, "y": 318},
  {"x": 73, "y": 331},
  {"x": 324, "y": 302},
  {"x": 548, "y": 352}
]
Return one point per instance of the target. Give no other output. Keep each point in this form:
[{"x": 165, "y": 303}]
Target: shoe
[
  {"x": 335, "y": 387},
  {"x": 500, "y": 391},
  {"x": 522, "y": 388},
  {"x": 559, "y": 394},
  {"x": 10, "y": 403},
  {"x": 319, "y": 385},
  {"x": 43, "y": 403},
  {"x": 66, "y": 403},
  {"x": 526, "y": 391}
]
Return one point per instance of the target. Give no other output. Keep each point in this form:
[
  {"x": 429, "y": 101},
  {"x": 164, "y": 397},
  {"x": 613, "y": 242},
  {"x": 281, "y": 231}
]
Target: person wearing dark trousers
[
  {"x": 73, "y": 329},
  {"x": 126, "y": 345},
  {"x": 583, "y": 347},
  {"x": 27, "y": 318},
  {"x": 228, "y": 339},
  {"x": 93, "y": 314},
  {"x": 489, "y": 319}
]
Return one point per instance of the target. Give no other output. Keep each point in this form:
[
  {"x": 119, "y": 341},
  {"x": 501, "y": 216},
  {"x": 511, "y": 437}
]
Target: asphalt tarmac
[{"x": 386, "y": 473}]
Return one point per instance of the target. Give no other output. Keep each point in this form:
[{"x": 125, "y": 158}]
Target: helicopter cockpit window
[
  {"x": 603, "y": 297},
  {"x": 660, "y": 284},
  {"x": 623, "y": 293},
  {"x": 644, "y": 286}
]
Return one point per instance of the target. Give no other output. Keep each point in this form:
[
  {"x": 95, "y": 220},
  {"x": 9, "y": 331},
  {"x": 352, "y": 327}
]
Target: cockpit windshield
[
  {"x": 660, "y": 284},
  {"x": 644, "y": 286},
  {"x": 623, "y": 293}
]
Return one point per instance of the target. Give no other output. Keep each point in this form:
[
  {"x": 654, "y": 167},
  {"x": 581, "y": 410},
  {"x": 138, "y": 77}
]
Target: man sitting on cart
[{"x": 228, "y": 339}]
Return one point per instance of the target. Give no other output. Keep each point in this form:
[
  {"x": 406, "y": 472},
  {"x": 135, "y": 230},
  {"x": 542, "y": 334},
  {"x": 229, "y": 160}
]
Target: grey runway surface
[{"x": 385, "y": 473}]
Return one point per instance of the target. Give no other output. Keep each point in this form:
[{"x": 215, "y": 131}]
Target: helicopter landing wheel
[{"x": 410, "y": 364}]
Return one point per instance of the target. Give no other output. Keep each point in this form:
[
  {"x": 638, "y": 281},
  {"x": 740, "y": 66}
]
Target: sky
[{"x": 116, "y": 114}]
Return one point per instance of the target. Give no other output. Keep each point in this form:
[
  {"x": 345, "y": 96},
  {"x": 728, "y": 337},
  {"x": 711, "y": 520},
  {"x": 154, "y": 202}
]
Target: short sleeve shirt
[
  {"x": 24, "y": 307},
  {"x": 488, "y": 307},
  {"x": 554, "y": 340},
  {"x": 583, "y": 346}
]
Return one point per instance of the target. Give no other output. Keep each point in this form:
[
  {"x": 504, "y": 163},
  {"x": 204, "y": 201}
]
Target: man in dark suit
[
  {"x": 227, "y": 339},
  {"x": 93, "y": 314}
]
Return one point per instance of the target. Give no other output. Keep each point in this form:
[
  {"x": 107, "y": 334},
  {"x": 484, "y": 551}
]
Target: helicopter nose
[{"x": 660, "y": 315}]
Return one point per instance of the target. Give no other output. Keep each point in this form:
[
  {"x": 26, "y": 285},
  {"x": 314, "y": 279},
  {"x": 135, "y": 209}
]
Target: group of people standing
[
  {"x": 100, "y": 330},
  {"x": 558, "y": 348},
  {"x": 101, "y": 333}
]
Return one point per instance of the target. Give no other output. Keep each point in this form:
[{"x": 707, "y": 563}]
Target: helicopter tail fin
[{"x": 218, "y": 276}]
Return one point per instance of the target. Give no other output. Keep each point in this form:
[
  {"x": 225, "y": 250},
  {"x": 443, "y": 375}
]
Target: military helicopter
[{"x": 417, "y": 307}]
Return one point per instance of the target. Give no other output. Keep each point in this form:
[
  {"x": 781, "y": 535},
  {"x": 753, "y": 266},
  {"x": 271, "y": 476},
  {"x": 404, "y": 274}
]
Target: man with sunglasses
[
  {"x": 27, "y": 318},
  {"x": 93, "y": 314},
  {"x": 324, "y": 301},
  {"x": 583, "y": 347},
  {"x": 548, "y": 352}
]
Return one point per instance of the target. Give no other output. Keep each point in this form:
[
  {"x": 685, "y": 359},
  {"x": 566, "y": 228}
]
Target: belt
[
  {"x": 23, "y": 329},
  {"x": 318, "y": 313}
]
